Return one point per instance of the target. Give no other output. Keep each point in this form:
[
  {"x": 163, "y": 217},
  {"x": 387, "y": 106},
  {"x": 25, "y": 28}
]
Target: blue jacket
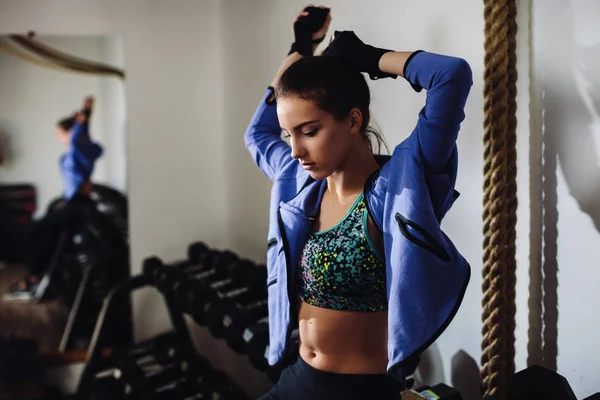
[
  {"x": 407, "y": 199},
  {"x": 77, "y": 164}
]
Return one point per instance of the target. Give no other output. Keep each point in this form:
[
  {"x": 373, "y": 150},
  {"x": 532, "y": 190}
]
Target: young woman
[
  {"x": 357, "y": 261},
  {"x": 76, "y": 167}
]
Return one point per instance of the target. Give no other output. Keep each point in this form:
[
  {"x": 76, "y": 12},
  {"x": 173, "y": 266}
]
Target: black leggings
[{"x": 300, "y": 381}]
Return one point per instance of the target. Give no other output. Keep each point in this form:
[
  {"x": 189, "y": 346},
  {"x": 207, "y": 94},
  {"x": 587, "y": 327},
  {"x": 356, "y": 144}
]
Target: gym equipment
[
  {"x": 202, "y": 261},
  {"x": 245, "y": 297},
  {"x": 166, "y": 367},
  {"x": 256, "y": 339},
  {"x": 236, "y": 322},
  {"x": 109, "y": 202},
  {"x": 537, "y": 382},
  {"x": 165, "y": 277},
  {"x": 163, "y": 348},
  {"x": 149, "y": 376},
  {"x": 440, "y": 391},
  {"x": 18, "y": 203},
  {"x": 204, "y": 287},
  {"x": 87, "y": 261}
]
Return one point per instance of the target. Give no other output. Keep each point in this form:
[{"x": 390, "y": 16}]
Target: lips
[{"x": 308, "y": 166}]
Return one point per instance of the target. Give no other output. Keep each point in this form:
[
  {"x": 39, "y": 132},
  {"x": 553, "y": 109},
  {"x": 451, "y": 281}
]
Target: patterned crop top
[{"x": 340, "y": 268}]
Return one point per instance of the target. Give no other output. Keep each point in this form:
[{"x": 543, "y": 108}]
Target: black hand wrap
[
  {"x": 362, "y": 56},
  {"x": 305, "y": 27}
]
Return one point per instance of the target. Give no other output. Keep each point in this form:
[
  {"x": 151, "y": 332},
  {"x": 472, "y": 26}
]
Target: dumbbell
[
  {"x": 179, "y": 284},
  {"x": 219, "y": 293},
  {"x": 194, "y": 384},
  {"x": 162, "y": 276},
  {"x": 149, "y": 377},
  {"x": 256, "y": 339},
  {"x": 201, "y": 290},
  {"x": 257, "y": 349},
  {"x": 237, "y": 322},
  {"x": 162, "y": 348},
  {"x": 197, "y": 252},
  {"x": 193, "y": 290},
  {"x": 154, "y": 380},
  {"x": 247, "y": 293}
]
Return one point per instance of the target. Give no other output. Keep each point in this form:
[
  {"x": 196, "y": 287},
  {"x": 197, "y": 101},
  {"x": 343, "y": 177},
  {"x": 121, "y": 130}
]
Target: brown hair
[{"x": 333, "y": 86}]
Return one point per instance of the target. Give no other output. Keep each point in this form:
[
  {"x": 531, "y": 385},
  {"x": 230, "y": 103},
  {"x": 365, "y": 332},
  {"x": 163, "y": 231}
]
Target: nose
[{"x": 298, "y": 151}]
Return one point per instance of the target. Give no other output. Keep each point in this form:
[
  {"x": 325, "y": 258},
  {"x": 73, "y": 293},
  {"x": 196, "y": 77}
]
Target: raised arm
[
  {"x": 81, "y": 141},
  {"x": 448, "y": 81},
  {"x": 263, "y": 135},
  {"x": 81, "y": 130}
]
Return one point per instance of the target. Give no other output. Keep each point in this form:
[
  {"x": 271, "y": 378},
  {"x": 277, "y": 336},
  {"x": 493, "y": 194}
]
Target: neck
[{"x": 359, "y": 164}]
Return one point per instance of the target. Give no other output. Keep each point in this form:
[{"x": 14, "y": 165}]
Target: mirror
[{"x": 63, "y": 201}]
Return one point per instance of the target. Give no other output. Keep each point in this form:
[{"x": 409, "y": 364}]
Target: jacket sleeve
[
  {"x": 80, "y": 134},
  {"x": 448, "y": 81},
  {"x": 81, "y": 142},
  {"x": 432, "y": 143},
  {"x": 263, "y": 139}
]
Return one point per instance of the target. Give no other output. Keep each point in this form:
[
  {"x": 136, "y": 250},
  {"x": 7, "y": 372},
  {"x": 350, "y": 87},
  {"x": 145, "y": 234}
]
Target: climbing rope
[
  {"x": 499, "y": 196},
  {"x": 30, "y": 50}
]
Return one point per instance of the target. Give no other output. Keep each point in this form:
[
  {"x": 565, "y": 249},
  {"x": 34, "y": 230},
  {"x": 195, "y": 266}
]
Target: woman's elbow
[{"x": 460, "y": 71}]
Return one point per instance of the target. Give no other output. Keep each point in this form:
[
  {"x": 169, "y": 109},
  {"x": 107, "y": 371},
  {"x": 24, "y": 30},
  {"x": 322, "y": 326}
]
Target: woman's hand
[
  {"x": 364, "y": 57},
  {"x": 310, "y": 28},
  {"x": 88, "y": 103},
  {"x": 80, "y": 117}
]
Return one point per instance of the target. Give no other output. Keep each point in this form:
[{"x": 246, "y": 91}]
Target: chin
[{"x": 319, "y": 175}]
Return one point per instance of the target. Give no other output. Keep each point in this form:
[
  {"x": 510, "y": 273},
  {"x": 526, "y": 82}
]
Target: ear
[{"x": 356, "y": 120}]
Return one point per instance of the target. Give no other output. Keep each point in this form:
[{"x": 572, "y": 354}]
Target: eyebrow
[{"x": 297, "y": 127}]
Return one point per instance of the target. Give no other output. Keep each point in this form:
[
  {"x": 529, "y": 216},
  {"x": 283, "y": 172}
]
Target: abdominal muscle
[{"x": 343, "y": 342}]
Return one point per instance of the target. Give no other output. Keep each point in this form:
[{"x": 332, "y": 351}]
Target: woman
[
  {"x": 357, "y": 261},
  {"x": 76, "y": 167}
]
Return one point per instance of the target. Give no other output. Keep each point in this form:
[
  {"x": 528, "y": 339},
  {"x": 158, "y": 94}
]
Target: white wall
[
  {"x": 34, "y": 98},
  {"x": 190, "y": 177},
  {"x": 565, "y": 111},
  {"x": 114, "y": 108}
]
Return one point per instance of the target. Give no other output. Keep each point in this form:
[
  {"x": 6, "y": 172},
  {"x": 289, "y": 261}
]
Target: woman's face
[
  {"x": 319, "y": 141},
  {"x": 63, "y": 136}
]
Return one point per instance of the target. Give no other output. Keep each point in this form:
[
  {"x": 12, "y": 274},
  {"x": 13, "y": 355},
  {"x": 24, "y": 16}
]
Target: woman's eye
[
  {"x": 311, "y": 133},
  {"x": 286, "y": 135}
]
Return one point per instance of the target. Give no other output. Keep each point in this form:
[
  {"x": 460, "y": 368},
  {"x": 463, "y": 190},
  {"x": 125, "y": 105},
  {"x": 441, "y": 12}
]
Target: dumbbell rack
[
  {"x": 234, "y": 277},
  {"x": 99, "y": 340}
]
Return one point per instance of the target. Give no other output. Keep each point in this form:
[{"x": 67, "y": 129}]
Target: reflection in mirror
[{"x": 63, "y": 204}]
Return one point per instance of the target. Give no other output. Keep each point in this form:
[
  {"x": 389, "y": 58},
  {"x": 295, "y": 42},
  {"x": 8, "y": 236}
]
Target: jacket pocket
[
  {"x": 272, "y": 261},
  {"x": 419, "y": 236},
  {"x": 271, "y": 282}
]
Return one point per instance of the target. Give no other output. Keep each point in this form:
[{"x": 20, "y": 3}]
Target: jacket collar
[{"x": 308, "y": 199}]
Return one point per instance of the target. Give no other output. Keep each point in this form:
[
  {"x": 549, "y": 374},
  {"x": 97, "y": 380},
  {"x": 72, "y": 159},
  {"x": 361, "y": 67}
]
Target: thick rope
[
  {"x": 47, "y": 56},
  {"x": 499, "y": 216}
]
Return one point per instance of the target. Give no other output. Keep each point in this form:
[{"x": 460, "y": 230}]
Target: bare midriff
[{"x": 343, "y": 342}]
